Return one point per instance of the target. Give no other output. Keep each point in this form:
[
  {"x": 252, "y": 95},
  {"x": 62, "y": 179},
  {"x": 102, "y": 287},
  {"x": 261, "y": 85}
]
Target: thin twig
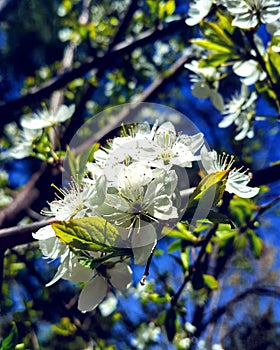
[{"x": 147, "y": 268}]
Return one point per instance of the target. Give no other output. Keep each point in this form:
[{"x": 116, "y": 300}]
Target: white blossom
[
  {"x": 249, "y": 13},
  {"x": 146, "y": 334},
  {"x": 240, "y": 111},
  {"x": 249, "y": 69},
  {"x": 47, "y": 118},
  {"x": 206, "y": 83},
  {"x": 77, "y": 201},
  {"x": 238, "y": 179},
  {"x": 23, "y": 144},
  {"x": 198, "y": 10},
  {"x": 141, "y": 200},
  {"x": 158, "y": 147}
]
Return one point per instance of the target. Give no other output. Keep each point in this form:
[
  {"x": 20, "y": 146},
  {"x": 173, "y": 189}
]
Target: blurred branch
[
  {"x": 273, "y": 291},
  {"x": 88, "y": 90},
  {"x": 12, "y": 213},
  {"x": 105, "y": 61},
  {"x": 196, "y": 265},
  {"x": 147, "y": 95},
  {"x": 12, "y": 236},
  {"x": 266, "y": 176}
]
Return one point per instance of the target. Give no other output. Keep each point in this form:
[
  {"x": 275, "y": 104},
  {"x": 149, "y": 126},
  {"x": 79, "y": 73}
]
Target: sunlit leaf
[
  {"x": 209, "y": 191},
  {"x": 210, "y": 282},
  {"x": 89, "y": 233}
]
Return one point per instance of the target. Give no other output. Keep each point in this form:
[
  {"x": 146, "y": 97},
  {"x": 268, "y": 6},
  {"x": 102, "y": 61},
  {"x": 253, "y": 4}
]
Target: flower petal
[
  {"x": 92, "y": 294},
  {"x": 120, "y": 276},
  {"x": 143, "y": 242}
]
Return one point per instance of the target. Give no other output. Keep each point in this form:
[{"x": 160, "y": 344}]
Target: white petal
[
  {"x": 143, "y": 241},
  {"x": 64, "y": 113},
  {"x": 78, "y": 272},
  {"x": 92, "y": 294},
  {"x": 120, "y": 276},
  {"x": 217, "y": 99},
  {"x": 208, "y": 160},
  {"x": 44, "y": 233},
  {"x": 201, "y": 89},
  {"x": 197, "y": 11},
  {"x": 52, "y": 248},
  {"x": 246, "y": 20}
]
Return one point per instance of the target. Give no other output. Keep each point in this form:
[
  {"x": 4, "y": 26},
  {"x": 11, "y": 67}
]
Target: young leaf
[
  {"x": 176, "y": 245},
  {"x": 89, "y": 233},
  {"x": 209, "y": 191},
  {"x": 210, "y": 282},
  {"x": 218, "y": 218},
  {"x": 209, "y": 45},
  {"x": 10, "y": 342},
  {"x": 255, "y": 243}
]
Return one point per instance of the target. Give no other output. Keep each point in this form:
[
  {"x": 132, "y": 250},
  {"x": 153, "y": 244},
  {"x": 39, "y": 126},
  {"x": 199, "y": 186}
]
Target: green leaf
[
  {"x": 210, "y": 282},
  {"x": 10, "y": 342},
  {"x": 176, "y": 245},
  {"x": 166, "y": 9},
  {"x": 215, "y": 33},
  {"x": 170, "y": 324},
  {"x": 209, "y": 191},
  {"x": 90, "y": 233},
  {"x": 209, "y": 45},
  {"x": 185, "y": 258},
  {"x": 218, "y": 218},
  {"x": 216, "y": 59},
  {"x": 255, "y": 243},
  {"x": 180, "y": 231},
  {"x": 242, "y": 210}
]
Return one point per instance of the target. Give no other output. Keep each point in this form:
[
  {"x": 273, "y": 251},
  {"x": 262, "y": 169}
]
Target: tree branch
[
  {"x": 273, "y": 292},
  {"x": 76, "y": 121},
  {"x": 105, "y": 61}
]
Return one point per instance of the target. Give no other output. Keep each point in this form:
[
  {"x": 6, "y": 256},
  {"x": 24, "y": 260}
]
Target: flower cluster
[
  {"x": 132, "y": 185},
  {"x": 33, "y": 139}
]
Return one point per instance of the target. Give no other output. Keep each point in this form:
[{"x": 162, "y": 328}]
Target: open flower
[
  {"x": 95, "y": 290},
  {"x": 77, "y": 201},
  {"x": 158, "y": 147},
  {"x": 240, "y": 111},
  {"x": 47, "y": 118},
  {"x": 237, "y": 180},
  {"x": 23, "y": 144},
  {"x": 249, "y": 13},
  {"x": 143, "y": 198},
  {"x": 206, "y": 83}
]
